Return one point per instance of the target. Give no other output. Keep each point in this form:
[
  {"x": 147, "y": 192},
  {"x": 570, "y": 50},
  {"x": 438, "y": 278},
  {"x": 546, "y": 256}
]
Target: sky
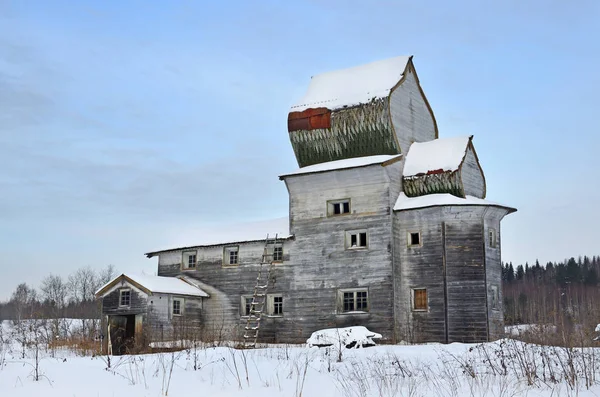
[{"x": 133, "y": 126}]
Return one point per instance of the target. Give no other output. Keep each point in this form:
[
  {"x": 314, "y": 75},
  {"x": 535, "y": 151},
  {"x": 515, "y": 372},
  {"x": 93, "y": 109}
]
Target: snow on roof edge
[
  {"x": 160, "y": 284},
  {"x": 444, "y": 154},
  {"x": 354, "y": 162},
  {"x": 354, "y": 85},
  {"x": 440, "y": 199},
  {"x": 151, "y": 254}
]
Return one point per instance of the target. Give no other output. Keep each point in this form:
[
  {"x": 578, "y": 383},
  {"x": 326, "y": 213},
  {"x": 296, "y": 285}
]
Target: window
[
  {"x": 189, "y": 259},
  {"x": 419, "y": 299},
  {"x": 356, "y": 239},
  {"x": 230, "y": 256},
  {"x": 354, "y": 300},
  {"x": 125, "y": 297},
  {"x": 177, "y": 306},
  {"x": 338, "y": 207},
  {"x": 495, "y": 298},
  {"x": 278, "y": 253},
  {"x": 245, "y": 305},
  {"x": 414, "y": 239},
  {"x": 275, "y": 305},
  {"x": 492, "y": 238}
]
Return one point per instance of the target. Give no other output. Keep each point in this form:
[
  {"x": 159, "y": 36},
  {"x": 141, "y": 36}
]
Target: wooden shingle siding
[
  {"x": 412, "y": 119},
  {"x": 471, "y": 175},
  {"x": 359, "y": 131},
  {"x": 443, "y": 182}
]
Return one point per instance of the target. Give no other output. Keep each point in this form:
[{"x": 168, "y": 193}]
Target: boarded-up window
[
  {"x": 419, "y": 299},
  {"x": 495, "y": 297},
  {"x": 492, "y": 238},
  {"x": 125, "y": 297}
]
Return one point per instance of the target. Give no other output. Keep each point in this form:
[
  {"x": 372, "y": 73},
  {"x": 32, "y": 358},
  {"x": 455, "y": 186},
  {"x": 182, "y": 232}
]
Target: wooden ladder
[{"x": 259, "y": 298}]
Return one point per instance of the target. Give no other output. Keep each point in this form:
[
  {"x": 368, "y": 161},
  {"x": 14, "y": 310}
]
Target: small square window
[
  {"x": 356, "y": 239},
  {"x": 492, "y": 242},
  {"x": 177, "y": 306},
  {"x": 189, "y": 259},
  {"x": 338, "y": 207},
  {"x": 125, "y": 297},
  {"x": 414, "y": 239},
  {"x": 419, "y": 299},
  {"x": 230, "y": 256},
  {"x": 354, "y": 300}
]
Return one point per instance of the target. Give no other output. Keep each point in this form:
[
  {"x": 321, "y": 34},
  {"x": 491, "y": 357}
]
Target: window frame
[
  {"x": 181, "y": 306},
  {"x": 413, "y": 301},
  {"x": 495, "y": 304},
  {"x": 121, "y": 290},
  {"x": 354, "y": 291},
  {"x": 331, "y": 207},
  {"x": 185, "y": 255},
  {"x": 227, "y": 250},
  {"x": 280, "y": 246},
  {"x": 409, "y": 235},
  {"x": 348, "y": 239},
  {"x": 492, "y": 238},
  {"x": 271, "y": 305},
  {"x": 245, "y": 303}
]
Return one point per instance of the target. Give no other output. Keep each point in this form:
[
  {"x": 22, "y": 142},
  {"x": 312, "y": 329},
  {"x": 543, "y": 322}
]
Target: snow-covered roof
[
  {"x": 344, "y": 164},
  {"x": 353, "y": 86},
  {"x": 228, "y": 234},
  {"x": 445, "y": 154},
  {"x": 157, "y": 284},
  {"x": 434, "y": 200}
]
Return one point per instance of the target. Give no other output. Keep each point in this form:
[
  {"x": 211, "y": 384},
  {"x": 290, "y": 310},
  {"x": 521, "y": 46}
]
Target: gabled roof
[
  {"x": 353, "y": 86},
  {"x": 439, "y": 155},
  {"x": 356, "y": 162},
  {"x": 155, "y": 284},
  {"x": 442, "y": 199}
]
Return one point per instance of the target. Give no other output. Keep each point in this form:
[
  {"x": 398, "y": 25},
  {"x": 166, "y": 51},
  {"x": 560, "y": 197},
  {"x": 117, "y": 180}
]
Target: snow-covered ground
[{"x": 503, "y": 368}]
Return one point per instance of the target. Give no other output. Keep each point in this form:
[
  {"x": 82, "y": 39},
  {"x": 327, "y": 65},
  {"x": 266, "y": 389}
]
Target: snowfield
[{"x": 502, "y": 368}]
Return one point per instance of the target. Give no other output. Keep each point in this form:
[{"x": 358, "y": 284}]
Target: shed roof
[
  {"x": 442, "y": 199},
  {"x": 156, "y": 284},
  {"x": 383, "y": 159},
  {"x": 353, "y": 86},
  {"x": 439, "y": 155}
]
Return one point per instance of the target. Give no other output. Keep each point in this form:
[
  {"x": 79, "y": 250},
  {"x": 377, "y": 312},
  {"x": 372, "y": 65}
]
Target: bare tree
[
  {"x": 55, "y": 291},
  {"x": 23, "y": 299},
  {"x": 105, "y": 275}
]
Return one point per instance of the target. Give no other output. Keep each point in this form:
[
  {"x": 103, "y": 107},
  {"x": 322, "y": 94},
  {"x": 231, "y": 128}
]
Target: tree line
[
  {"x": 559, "y": 293},
  {"x": 58, "y": 297}
]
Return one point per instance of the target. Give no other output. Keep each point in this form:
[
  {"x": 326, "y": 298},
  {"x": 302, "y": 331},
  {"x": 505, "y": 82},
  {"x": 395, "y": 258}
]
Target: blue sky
[{"x": 130, "y": 126}]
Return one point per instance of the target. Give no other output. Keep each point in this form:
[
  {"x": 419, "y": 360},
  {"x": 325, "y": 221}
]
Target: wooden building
[{"x": 389, "y": 228}]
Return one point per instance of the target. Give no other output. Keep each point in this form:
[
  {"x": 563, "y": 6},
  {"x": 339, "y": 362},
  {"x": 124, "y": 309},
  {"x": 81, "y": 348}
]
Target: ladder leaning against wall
[{"x": 259, "y": 298}]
